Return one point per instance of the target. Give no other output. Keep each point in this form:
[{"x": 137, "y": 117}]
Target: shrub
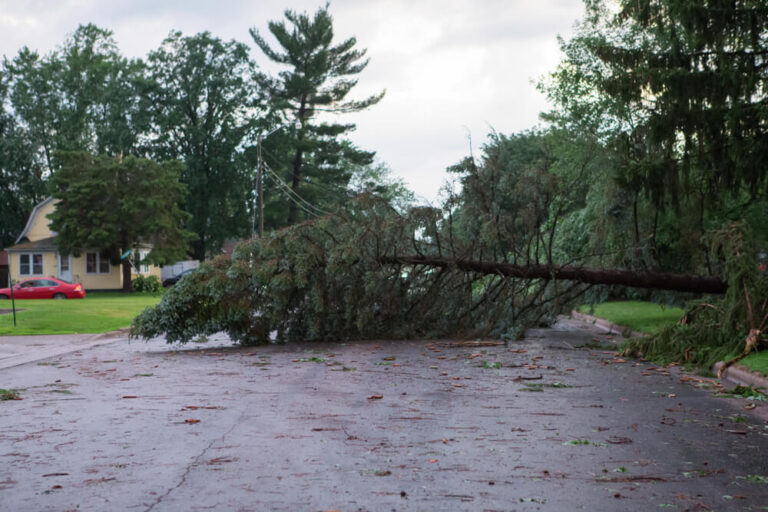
[{"x": 150, "y": 284}]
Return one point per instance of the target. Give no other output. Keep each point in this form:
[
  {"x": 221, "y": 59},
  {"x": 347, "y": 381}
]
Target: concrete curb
[
  {"x": 113, "y": 334},
  {"x": 604, "y": 324},
  {"x": 742, "y": 375}
]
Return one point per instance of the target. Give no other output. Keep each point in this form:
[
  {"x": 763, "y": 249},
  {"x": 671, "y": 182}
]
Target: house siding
[
  {"x": 38, "y": 229},
  {"x": 50, "y": 265},
  {"x": 111, "y": 281},
  {"x": 41, "y": 226}
]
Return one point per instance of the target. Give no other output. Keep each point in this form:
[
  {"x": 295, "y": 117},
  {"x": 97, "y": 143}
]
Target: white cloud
[{"x": 14, "y": 22}]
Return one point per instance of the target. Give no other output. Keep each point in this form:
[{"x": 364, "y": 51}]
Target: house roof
[
  {"x": 44, "y": 245},
  {"x": 32, "y": 217}
]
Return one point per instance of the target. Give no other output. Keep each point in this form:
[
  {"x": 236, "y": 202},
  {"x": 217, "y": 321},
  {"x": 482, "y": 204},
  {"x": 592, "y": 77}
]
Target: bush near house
[{"x": 146, "y": 284}]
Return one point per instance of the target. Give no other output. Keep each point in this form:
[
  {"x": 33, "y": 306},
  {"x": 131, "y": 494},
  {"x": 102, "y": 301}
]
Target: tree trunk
[
  {"x": 292, "y": 207},
  {"x": 127, "y": 285},
  {"x": 654, "y": 280},
  {"x": 298, "y": 162}
]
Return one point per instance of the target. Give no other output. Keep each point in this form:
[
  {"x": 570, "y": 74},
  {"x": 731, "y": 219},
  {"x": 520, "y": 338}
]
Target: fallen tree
[
  {"x": 652, "y": 280},
  {"x": 353, "y": 276}
]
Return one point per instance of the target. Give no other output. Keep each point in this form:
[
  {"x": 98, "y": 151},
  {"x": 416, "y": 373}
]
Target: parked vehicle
[
  {"x": 175, "y": 279},
  {"x": 44, "y": 288}
]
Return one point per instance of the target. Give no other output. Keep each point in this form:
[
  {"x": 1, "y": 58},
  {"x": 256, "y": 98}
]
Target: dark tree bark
[
  {"x": 127, "y": 284},
  {"x": 654, "y": 280}
]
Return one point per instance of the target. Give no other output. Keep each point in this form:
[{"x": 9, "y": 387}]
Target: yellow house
[{"x": 35, "y": 255}]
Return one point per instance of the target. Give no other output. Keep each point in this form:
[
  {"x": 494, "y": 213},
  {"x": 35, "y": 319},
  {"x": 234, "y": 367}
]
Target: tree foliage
[
  {"x": 84, "y": 96},
  {"x": 21, "y": 176},
  {"x": 115, "y": 204},
  {"x": 324, "y": 279},
  {"x": 676, "y": 92},
  {"x": 197, "y": 99},
  {"x": 203, "y": 110},
  {"x": 719, "y": 329},
  {"x": 338, "y": 276},
  {"x": 316, "y": 80}
]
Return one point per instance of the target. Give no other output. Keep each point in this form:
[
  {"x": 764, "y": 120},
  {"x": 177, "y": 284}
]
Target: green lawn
[
  {"x": 639, "y": 316},
  {"x": 757, "y": 362},
  {"x": 98, "y": 312}
]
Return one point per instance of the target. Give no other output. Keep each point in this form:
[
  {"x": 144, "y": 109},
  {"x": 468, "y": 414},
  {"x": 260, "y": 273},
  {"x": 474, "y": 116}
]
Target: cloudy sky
[{"x": 450, "y": 67}]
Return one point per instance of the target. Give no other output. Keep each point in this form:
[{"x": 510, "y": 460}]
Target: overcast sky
[{"x": 450, "y": 67}]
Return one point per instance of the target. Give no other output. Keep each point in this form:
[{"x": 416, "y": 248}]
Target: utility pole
[
  {"x": 260, "y": 185},
  {"x": 260, "y": 188}
]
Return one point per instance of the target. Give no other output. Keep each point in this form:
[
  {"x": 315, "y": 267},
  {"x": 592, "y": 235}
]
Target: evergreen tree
[
  {"x": 678, "y": 90},
  {"x": 317, "y": 80},
  {"x": 692, "y": 80}
]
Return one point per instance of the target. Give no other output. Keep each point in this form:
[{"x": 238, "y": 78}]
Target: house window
[
  {"x": 97, "y": 263},
  {"x": 31, "y": 264},
  {"x": 138, "y": 261}
]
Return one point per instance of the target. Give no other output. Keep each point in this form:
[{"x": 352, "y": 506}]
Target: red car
[{"x": 44, "y": 288}]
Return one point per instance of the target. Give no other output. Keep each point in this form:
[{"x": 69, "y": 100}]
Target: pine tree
[{"x": 317, "y": 80}]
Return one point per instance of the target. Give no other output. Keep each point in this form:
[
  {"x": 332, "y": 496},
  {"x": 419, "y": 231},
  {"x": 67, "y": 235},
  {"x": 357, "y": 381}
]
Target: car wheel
[
  {"x": 59, "y": 296},
  {"x": 4, "y": 296}
]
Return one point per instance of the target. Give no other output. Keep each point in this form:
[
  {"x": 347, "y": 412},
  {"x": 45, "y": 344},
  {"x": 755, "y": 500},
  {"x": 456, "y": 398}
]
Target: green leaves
[
  {"x": 115, "y": 204},
  {"x": 203, "y": 107}
]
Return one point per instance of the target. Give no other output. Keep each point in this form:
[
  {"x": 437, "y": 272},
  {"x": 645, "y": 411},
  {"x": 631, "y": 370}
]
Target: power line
[
  {"x": 293, "y": 192},
  {"x": 294, "y": 196},
  {"x": 305, "y": 181},
  {"x": 290, "y": 197}
]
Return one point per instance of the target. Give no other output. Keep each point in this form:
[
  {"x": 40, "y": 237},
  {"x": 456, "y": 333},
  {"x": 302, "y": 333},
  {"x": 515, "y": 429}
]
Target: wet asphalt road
[{"x": 558, "y": 424}]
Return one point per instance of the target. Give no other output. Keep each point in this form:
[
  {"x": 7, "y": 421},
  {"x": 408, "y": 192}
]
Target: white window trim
[
  {"x": 98, "y": 265},
  {"x": 31, "y": 272},
  {"x": 143, "y": 268}
]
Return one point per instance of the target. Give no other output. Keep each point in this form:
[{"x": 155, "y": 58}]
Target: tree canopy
[
  {"x": 197, "y": 99},
  {"x": 115, "y": 204},
  {"x": 676, "y": 92},
  {"x": 203, "y": 109}
]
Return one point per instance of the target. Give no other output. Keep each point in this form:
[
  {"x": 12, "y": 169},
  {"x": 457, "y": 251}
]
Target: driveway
[
  {"x": 18, "y": 350},
  {"x": 554, "y": 422}
]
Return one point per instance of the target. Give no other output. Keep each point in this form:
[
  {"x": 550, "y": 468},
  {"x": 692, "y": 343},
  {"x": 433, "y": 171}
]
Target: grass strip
[
  {"x": 97, "y": 313},
  {"x": 639, "y": 316}
]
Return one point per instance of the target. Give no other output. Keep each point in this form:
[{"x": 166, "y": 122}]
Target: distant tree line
[{"x": 199, "y": 100}]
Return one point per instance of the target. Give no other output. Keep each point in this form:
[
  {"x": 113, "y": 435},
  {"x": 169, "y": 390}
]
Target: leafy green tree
[
  {"x": 114, "y": 204},
  {"x": 203, "y": 112},
  {"x": 317, "y": 78},
  {"x": 377, "y": 179},
  {"x": 82, "y": 96},
  {"x": 21, "y": 176}
]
